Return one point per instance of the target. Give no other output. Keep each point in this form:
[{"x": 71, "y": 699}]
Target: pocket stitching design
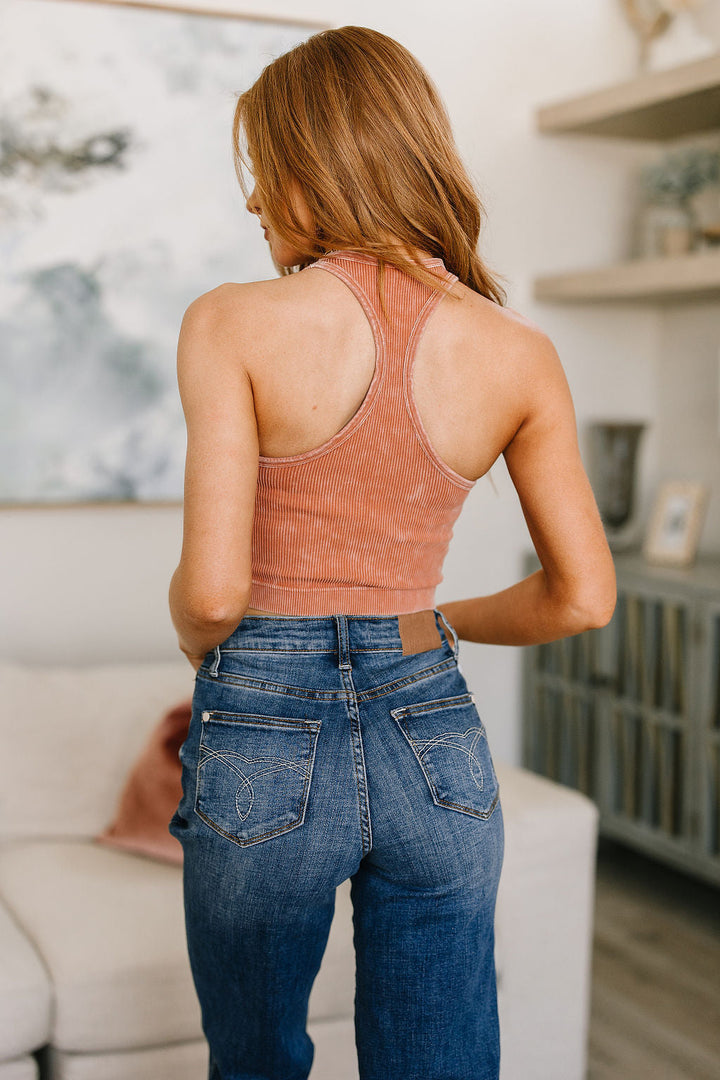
[
  {"x": 312, "y": 727},
  {"x": 420, "y": 748}
]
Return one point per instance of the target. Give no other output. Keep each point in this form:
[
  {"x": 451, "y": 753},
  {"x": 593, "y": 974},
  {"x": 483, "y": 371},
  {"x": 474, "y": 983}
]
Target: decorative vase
[
  {"x": 667, "y": 228},
  {"x": 705, "y": 206},
  {"x": 614, "y": 449}
]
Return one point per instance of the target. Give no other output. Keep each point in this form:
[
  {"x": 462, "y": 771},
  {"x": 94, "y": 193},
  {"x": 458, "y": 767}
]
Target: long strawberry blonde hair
[{"x": 351, "y": 119}]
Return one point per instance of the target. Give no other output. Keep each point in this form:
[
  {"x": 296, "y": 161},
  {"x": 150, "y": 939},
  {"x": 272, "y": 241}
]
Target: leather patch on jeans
[{"x": 418, "y": 631}]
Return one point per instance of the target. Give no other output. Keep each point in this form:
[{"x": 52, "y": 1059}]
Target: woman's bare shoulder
[
  {"x": 278, "y": 294},
  {"x": 503, "y": 336},
  {"x": 481, "y": 306},
  {"x": 231, "y": 293},
  {"x": 242, "y": 307}
]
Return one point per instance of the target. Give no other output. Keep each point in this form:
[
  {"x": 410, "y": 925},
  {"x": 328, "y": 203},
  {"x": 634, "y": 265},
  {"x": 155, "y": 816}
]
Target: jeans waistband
[{"x": 408, "y": 633}]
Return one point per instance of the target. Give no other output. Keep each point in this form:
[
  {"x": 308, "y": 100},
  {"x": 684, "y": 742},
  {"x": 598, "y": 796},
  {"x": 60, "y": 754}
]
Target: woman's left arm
[{"x": 210, "y": 589}]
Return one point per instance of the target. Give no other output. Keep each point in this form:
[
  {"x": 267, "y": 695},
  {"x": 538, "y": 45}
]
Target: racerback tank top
[{"x": 361, "y": 524}]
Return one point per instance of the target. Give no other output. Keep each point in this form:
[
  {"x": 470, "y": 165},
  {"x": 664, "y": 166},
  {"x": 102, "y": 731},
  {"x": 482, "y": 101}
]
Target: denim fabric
[{"x": 317, "y": 751}]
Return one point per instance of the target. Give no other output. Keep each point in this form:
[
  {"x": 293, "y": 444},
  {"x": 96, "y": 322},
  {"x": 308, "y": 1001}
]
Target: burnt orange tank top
[{"x": 361, "y": 525}]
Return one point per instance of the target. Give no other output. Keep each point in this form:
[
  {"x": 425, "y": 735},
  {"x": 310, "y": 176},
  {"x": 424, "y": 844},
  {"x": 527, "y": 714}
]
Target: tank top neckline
[{"x": 366, "y": 256}]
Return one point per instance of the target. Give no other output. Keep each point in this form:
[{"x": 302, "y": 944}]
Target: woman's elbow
[
  {"x": 596, "y": 610},
  {"x": 601, "y": 616}
]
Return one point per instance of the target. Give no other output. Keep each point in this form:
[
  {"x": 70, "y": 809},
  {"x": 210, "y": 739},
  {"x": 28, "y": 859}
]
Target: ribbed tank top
[{"x": 361, "y": 524}]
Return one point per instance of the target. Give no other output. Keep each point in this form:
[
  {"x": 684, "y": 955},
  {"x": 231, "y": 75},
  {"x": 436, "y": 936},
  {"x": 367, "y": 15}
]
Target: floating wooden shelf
[
  {"x": 677, "y": 277},
  {"x": 656, "y": 105}
]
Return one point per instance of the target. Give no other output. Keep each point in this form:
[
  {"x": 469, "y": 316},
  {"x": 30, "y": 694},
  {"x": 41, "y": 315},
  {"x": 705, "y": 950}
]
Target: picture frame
[
  {"x": 119, "y": 205},
  {"x": 675, "y": 523}
]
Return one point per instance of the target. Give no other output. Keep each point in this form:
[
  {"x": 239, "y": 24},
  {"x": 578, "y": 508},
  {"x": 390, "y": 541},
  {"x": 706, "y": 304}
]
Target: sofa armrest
[{"x": 544, "y": 926}]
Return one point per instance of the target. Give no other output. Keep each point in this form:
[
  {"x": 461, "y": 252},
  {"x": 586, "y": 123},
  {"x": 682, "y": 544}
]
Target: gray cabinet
[{"x": 630, "y": 713}]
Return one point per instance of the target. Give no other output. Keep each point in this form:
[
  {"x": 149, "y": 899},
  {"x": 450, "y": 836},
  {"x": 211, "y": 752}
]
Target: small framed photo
[{"x": 675, "y": 523}]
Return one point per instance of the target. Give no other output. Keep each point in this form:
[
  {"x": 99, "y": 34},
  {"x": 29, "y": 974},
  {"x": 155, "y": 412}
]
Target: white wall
[
  {"x": 90, "y": 583},
  {"x": 688, "y": 415}
]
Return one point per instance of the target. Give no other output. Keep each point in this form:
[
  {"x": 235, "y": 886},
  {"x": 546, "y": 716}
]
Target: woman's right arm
[{"x": 575, "y": 589}]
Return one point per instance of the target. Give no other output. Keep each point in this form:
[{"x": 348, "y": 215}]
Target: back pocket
[
  {"x": 449, "y": 741},
  {"x": 254, "y": 773}
]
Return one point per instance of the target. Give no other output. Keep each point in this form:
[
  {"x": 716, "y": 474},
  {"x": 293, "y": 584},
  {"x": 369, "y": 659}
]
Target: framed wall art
[
  {"x": 675, "y": 523},
  {"x": 119, "y": 205}
]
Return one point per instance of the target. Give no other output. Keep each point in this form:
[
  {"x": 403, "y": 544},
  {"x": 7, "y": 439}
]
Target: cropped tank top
[{"x": 361, "y": 524}]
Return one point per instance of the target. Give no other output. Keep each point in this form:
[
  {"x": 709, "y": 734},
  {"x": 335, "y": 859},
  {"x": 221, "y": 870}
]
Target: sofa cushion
[
  {"x": 335, "y": 1059},
  {"x": 25, "y": 994},
  {"x": 110, "y": 928},
  {"x": 70, "y": 736},
  {"x": 177, "y": 1061},
  {"x": 24, "y": 1068}
]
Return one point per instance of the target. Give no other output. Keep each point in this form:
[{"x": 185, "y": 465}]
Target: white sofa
[{"x": 94, "y": 979}]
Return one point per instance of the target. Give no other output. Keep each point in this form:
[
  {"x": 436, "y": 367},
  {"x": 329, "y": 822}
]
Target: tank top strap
[
  {"x": 413, "y": 323},
  {"x": 360, "y": 284}
]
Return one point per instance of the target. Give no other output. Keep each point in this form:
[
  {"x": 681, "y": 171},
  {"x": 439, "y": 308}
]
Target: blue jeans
[{"x": 319, "y": 750}]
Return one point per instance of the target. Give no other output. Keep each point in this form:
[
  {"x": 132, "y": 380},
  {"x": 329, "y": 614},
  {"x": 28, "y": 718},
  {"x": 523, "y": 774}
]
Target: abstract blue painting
[{"x": 119, "y": 205}]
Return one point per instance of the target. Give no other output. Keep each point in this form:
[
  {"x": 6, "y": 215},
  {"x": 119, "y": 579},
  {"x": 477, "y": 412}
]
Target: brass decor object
[{"x": 649, "y": 20}]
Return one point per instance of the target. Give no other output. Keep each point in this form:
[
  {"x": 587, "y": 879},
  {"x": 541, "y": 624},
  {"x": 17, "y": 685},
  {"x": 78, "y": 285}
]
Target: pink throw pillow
[{"x": 152, "y": 792}]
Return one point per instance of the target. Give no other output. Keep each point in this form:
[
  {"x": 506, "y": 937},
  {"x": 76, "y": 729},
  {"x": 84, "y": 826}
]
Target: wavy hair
[{"x": 351, "y": 120}]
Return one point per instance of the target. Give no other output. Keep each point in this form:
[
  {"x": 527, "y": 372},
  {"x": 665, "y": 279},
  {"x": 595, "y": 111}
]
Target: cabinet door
[
  {"x": 560, "y": 729},
  {"x": 708, "y": 737},
  {"x": 562, "y": 690},
  {"x": 647, "y": 725}
]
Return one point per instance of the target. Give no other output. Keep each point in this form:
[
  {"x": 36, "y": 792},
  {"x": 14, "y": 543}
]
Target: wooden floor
[{"x": 655, "y": 1006}]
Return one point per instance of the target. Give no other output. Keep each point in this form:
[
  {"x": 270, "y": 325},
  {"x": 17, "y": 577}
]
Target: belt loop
[
  {"x": 455, "y": 644},
  {"x": 213, "y": 669},
  {"x": 343, "y": 642}
]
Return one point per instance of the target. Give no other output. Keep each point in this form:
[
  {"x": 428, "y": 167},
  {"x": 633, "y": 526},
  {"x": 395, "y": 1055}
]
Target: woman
[{"x": 338, "y": 415}]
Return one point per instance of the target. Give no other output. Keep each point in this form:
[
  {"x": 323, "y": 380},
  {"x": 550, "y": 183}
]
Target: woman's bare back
[{"x": 313, "y": 358}]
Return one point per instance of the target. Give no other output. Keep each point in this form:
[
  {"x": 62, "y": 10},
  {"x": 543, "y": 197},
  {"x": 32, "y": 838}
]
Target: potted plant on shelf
[
  {"x": 680, "y": 211},
  {"x": 705, "y": 200}
]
